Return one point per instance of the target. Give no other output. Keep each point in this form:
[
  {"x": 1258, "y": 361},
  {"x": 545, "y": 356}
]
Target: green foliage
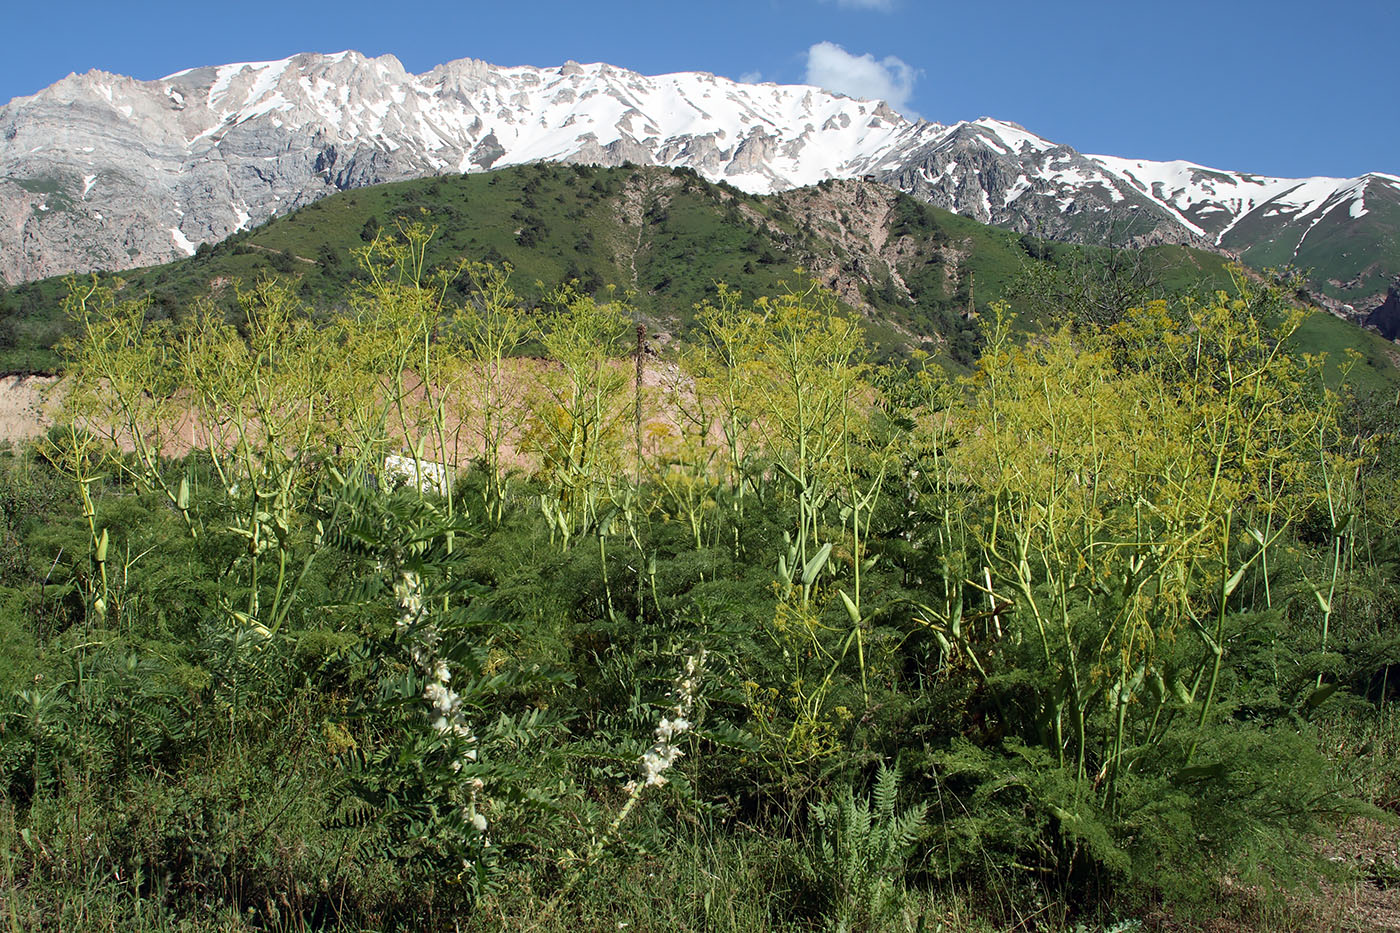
[
  {"x": 859, "y": 852},
  {"x": 1104, "y": 600},
  {"x": 1091, "y": 286}
]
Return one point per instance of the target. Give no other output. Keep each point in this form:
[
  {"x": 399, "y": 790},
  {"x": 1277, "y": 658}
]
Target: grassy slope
[
  {"x": 666, "y": 237},
  {"x": 1352, "y": 251}
]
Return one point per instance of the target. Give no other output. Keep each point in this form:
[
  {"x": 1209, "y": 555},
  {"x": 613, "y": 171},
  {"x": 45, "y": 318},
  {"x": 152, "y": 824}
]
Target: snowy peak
[
  {"x": 467, "y": 115},
  {"x": 1214, "y": 202},
  {"x": 103, "y": 171},
  {"x": 1344, "y": 229},
  {"x": 1011, "y": 138}
]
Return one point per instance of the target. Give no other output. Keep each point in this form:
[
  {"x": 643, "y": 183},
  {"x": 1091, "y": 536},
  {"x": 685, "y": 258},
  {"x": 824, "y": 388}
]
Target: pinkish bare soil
[{"x": 27, "y": 405}]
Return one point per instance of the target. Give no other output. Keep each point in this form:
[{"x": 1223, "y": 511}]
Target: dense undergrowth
[{"x": 784, "y": 642}]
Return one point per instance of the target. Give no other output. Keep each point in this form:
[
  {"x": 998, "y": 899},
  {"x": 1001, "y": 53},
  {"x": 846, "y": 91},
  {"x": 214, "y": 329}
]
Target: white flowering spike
[
  {"x": 444, "y": 712},
  {"x": 663, "y": 753},
  {"x": 408, "y": 589}
]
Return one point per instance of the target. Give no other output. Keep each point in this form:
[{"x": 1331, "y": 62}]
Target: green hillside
[
  {"x": 665, "y": 236},
  {"x": 1344, "y": 256}
]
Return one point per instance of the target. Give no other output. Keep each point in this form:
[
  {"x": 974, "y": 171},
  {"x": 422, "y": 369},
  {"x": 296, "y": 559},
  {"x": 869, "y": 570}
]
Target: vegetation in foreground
[{"x": 1100, "y": 635}]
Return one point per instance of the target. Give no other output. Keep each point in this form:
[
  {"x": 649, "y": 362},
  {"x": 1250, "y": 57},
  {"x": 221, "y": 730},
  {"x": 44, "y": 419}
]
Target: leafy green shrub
[{"x": 859, "y": 850}]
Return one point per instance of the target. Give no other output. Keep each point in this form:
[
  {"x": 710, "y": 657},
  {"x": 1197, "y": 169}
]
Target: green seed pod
[
  {"x": 182, "y": 501},
  {"x": 102, "y": 547},
  {"x": 815, "y": 564},
  {"x": 851, "y": 609}
]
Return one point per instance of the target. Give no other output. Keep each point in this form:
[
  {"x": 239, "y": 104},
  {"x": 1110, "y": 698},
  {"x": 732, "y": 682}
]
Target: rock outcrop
[{"x": 1386, "y": 317}]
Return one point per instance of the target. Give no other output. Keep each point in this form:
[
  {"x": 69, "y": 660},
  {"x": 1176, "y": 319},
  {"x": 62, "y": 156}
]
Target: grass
[
  {"x": 1375, "y": 376},
  {"x": 1364, "y": 745}
]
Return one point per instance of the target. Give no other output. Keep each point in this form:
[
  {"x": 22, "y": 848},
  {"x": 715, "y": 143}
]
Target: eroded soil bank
[{"x": 27, "y": 405}]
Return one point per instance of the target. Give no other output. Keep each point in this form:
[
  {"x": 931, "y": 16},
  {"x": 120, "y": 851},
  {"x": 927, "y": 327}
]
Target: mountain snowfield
[
  {"x": 104, "y": 171},
  {"x": 469, "y": 116},
  {"x": 1211, "y": 202}
]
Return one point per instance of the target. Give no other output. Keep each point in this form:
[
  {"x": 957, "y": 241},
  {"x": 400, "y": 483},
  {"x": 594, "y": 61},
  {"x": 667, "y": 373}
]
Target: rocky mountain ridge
[{"x": 104, "y": 171}]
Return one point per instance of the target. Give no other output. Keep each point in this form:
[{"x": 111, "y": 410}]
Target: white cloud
[
  {"x": 889, "y": 79},
  {"x": 884, "y": 6},
  {"x": 751, "y": 77}
]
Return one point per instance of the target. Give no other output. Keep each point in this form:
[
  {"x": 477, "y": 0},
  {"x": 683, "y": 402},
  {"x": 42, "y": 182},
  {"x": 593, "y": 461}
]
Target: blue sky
[{"x": 1286, "y": 87}]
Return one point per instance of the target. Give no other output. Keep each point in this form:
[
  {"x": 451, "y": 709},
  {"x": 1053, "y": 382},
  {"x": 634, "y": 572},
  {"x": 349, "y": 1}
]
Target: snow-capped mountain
[
  {"x": 1345, "y": 229},
  {"x": 103, "y": 171}
]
